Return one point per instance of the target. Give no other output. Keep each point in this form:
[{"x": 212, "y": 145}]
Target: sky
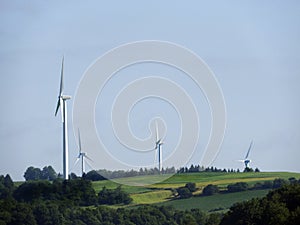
[{"x": 251, "y": 46}]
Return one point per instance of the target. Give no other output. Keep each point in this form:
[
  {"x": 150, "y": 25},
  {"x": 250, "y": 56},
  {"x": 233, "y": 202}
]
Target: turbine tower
[
  {"x": 158, "y": 148},
  {"x": 62, "y": 103},
  {"x": 247, "y": 161}
]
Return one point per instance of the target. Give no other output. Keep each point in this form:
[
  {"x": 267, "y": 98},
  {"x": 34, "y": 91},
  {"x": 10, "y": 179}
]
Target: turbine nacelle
[{"x": 65, "y": 97}]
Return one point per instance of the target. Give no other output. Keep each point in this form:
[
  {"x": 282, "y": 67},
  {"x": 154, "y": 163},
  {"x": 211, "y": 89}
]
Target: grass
[
  {"x": 151, "y": 197},
  {"x": 219, "y": 202},
  {"x": 98, "y": 185}
]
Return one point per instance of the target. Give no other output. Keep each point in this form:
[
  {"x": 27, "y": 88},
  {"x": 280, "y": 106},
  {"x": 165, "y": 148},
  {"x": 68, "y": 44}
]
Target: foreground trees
[
  {"x": 67, "y": 202},
  {"x": 281, "y": 206}
]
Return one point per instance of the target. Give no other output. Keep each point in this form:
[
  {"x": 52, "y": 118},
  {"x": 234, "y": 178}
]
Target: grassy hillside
[
  {"x": 217, "y": 202},
  {"x": 161, "y": 193},
  {"x": 201, "y": 179}
]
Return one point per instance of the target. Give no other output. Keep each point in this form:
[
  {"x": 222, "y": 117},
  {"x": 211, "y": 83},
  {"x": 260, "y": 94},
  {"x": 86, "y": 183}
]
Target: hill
[{"x": 162, "y": 193}]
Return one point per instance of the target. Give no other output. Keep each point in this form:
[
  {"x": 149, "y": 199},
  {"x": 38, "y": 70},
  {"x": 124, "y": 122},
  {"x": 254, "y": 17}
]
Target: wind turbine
[
  {"x": 247, "y": 161},
  {"x": 81, "y": 155},
  {"x": 158, "y": 148},
  {"x": 62, "y": 103}
]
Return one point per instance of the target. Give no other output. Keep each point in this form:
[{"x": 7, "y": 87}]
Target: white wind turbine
[
  {"x": 158, "y": 148},
  {"x": 82, "y": 155},
  {"x": 247, "y": 161},
  {"x": 63, "y": 106}
]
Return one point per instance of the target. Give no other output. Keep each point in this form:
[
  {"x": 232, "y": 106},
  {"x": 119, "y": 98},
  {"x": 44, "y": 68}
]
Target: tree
[
  {"x": 239, "y": 186},
  {"x": 22, "y": 215},
  {"x": 73, "y": 176},
  {"x": 48, "y": 173},
  {"x": 32, "y": 173},
  {"x": 111, "y": 197},
  {"x": 277, "y": 183},
  {"x": 184, "y": 192},
  {"x": 33, "y": 190},
  {"x": 210, "y": 190},
  {"x": 267, "y": 184},
  {"x": 191, "y": 186},
  {"x": 6, "y": 187},
  {"x": 213, "y": 219},
  {"x": 93, "y": 176},
  {"x": 8, "y": 183},
  {"x": 293, "y": 180},
  {"x": 247, "y": 170}
]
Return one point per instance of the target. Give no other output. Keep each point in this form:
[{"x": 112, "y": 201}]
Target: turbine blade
[
  {"x": 155, "y": 157},
  {"x": 79, "y": 141},
  {"x": 249, "y": 149},
  {"x": 88, "y": 158},
  {"x": 157, "y": 135},
  {"x": 61, "y": 88},
  {"x": 76, "y": 161},
  {"x": 57, "y": 107},
  {"x": 87, "y": 162}
]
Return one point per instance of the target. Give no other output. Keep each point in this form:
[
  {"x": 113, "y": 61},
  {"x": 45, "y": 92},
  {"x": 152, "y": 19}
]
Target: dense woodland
[{"x": 74, "y": 201}]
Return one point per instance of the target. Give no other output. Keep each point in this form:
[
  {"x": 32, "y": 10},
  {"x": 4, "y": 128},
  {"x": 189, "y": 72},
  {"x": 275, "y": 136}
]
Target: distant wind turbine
[
  {"x": 63, "y": 106},
  {"x": 82, "y": 155},
  {"x": 247, "y": 161},
  {"x": 158, "y": 148}
]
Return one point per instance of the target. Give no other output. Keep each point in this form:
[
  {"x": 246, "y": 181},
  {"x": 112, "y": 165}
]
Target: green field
[
  {"x": 161, "y": 193},
  {"x": 217, "y": 202}
]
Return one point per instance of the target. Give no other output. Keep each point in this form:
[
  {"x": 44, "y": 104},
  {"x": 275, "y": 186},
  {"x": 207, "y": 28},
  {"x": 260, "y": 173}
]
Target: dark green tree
[
  {"x": 184, "y": 192},
  {"x": 93, "y": 176},
  {"x": 113, "y": 196},
  {"x": 210, "y": 190},
  {"x": 279, "y": 182},
  {"x": 191, "y": 186},
  {"x": 239, "y": 186},
  {"x": 32, "y": 173},
  {"x": 48, "y": 173}
]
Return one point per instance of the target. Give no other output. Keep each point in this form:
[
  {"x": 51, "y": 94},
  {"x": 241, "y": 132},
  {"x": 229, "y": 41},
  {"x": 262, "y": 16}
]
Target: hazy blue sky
[{"x": 252, "y": 47}]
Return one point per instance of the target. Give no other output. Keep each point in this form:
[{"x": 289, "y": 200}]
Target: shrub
[
  {"x": 210, "y": 190},
  {"x": 191, "y": 186},
  {"x": 184, "y": 192},
  {"x": 237, "y": 187}
]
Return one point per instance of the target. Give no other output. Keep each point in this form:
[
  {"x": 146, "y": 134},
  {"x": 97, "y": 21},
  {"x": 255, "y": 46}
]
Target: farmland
[{"x": 163, "y": 193}]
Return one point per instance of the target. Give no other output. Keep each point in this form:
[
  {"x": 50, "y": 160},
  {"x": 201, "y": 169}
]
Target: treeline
[
  {"x": 48, "y": 173},
  {"x": 198, "y": 168},
  {"x": 243, "y": 186},
  {"x": 132, "y": 173}
]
